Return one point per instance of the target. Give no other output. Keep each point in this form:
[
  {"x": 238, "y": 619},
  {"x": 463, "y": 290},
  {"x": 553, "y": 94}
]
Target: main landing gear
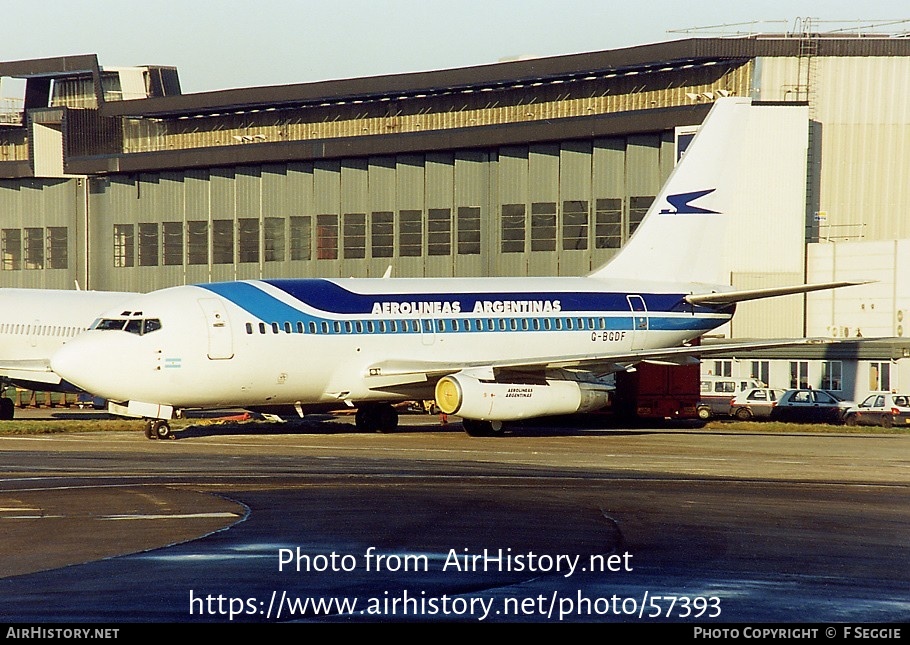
[
  {"x": 158, "y": 429},
  {"x": 7, "y": 409},
  {"x": 476, "y": 428},
  {"x": 376, "y": 417}
]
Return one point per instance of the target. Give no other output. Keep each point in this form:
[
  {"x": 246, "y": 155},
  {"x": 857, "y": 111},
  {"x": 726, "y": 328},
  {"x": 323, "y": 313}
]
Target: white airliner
[
  {"x": 35, "y": 323},
  {"x": 487, "y": 349}
]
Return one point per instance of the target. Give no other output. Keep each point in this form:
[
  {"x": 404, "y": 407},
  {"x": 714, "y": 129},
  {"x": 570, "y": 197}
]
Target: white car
[
  {"x": 754, "y": 403},
  {"x": 880, "y": 409}
]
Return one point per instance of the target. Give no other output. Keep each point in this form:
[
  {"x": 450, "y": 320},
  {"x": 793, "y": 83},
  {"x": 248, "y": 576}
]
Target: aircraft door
[
  {"x": 221, "y": 342},
  {"x": 639, "y": 321}
]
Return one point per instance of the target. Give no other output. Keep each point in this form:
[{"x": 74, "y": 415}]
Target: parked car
[
  {"x": 716, "y": 392},
  {"x": 754, "y": 403},
  {"x": 810, "y": 406},
  {"x": 883, "y": 409}
]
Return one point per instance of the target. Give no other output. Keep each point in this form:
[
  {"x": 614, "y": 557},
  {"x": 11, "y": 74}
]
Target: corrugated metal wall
[
  {"x": 40, "y": 224},
  {"x": 864, "y": 109},
  {"x": 559, "y": 209}
]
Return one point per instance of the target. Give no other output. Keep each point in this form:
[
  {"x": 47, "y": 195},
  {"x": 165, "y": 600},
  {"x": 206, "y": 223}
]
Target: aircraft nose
[{"x": 73, "y": 363}]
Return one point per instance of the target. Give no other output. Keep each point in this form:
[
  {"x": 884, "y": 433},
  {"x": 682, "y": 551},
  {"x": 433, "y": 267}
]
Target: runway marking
[
  {"x": 32, "y": 517},
  {"x": 178, "y": 516}
]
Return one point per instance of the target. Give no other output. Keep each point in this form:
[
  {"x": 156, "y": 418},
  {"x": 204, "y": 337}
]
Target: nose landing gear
[{"x": 158, "y": 429}]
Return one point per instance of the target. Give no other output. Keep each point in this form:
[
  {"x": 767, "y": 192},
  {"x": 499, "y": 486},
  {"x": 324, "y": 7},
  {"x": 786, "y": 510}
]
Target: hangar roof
[{"x": 659, "y": 56}]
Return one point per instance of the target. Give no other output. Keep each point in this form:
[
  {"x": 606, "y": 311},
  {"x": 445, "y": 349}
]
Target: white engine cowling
[{"x": 472, "y": 398}]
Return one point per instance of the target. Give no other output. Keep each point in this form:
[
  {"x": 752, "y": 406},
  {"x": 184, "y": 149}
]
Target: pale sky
[{"x": 217, "y": 44}]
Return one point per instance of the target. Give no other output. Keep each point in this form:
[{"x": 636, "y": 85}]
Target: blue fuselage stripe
[{"x": 328, "y": 307}]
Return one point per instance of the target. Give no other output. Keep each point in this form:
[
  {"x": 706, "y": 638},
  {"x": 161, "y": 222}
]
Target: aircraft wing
[
  {"x": 33, "y": 370},
  {"x": 393, "y": 373}
]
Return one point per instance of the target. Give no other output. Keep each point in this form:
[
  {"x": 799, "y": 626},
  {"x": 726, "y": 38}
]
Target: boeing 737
[
  {"x": 35, "y": 323},
  {"x": 490, "y": 350}
]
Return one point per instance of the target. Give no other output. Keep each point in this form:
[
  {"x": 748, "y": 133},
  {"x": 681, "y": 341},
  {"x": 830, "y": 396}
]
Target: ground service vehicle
[
  {"x": 717, "y": 391},
  {"x": 655, "y": 391}
]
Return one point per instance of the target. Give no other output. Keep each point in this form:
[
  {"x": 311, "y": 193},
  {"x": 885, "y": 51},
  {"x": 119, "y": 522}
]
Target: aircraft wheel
[
  {"x": 381, "y": 417},
  {"x": 386, "y": 418},
  {"x": 148, "y": 431},
  {"x": 360, "y": 419},
  {"x": 476, "y": 428},
  {"x": 162, "y": 430},
  {"x": 7, "y": 409}
]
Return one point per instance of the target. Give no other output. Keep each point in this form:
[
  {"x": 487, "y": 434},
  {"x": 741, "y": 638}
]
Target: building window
[
  {"x": 197, "y": 242},
  {"x": 832, "y": 375},
  {"x": 608, "y": 224},
  {"x": 574, "y": 225},
  {"x": 439, "y": 231},
  {"x": 761, "y": 371},
  {"x": 723, "y": 368},
  {"x": 543, "y": 226},
  {"x": 513, "y": 228},
  {"x": 172, "y": 234},
  {"x": 12, "y": 249},
  {"x": 148, "y": 245},
  {"x": 273, "y": 239},
  {"x": 638, "y": 208},
  {"x": 879, "y": 377},
  {"x": 123, "y": 245},
  {"x": 355, "y": 236},
  {"x": 222, "y": 241},
  {"x": 410, "y": 233},
  {"x": 799, "y": 375},
  {"x": 382, "y": 234},
  {"x": 468, "y": 230},
  {"x": 57, "y": 247},
  {"x": 326, "y": 237},
  {"x": 301, "y": 237},
  {"x": 248, "y": 239}
]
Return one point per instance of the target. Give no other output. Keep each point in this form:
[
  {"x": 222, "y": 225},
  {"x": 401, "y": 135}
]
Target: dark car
[
  {"x": 882, "y": 409},
  {"x": 810, "y": 406}
]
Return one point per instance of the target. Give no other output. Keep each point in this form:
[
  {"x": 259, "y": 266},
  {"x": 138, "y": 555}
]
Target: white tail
[{"x": 685, "y": 229}]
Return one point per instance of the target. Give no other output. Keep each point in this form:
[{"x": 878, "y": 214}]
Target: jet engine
[{"x": 473, "y": 398}]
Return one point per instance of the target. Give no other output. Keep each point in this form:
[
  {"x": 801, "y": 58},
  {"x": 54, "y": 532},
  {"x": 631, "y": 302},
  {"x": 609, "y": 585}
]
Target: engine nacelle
[{"x": 472, "y": 398}]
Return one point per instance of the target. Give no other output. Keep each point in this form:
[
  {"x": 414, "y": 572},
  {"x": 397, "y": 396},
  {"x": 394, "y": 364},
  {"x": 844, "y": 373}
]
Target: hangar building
[{"x": 113, "y": 178}]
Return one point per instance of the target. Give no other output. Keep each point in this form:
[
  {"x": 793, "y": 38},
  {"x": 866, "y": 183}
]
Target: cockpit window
[
  {"x": 138, "y": 326},
  {"x": 110, "y": 323}
]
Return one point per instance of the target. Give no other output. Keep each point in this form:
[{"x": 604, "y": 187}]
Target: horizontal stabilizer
[{"x": 731, "y": 297}]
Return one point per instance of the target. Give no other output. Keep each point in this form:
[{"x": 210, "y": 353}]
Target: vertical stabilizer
[{"x": 685, "y": 229}]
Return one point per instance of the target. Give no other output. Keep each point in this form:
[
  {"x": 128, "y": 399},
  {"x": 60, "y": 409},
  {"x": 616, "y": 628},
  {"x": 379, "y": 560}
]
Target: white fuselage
[
  {"x": 35, "y": 323},
  {"x": 282, "y": 342}
]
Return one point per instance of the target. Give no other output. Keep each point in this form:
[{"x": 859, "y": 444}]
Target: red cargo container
[{"x": 655, "y": 391}]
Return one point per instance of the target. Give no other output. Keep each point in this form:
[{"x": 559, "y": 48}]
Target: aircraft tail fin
[{"x": 681, "y": 235}]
